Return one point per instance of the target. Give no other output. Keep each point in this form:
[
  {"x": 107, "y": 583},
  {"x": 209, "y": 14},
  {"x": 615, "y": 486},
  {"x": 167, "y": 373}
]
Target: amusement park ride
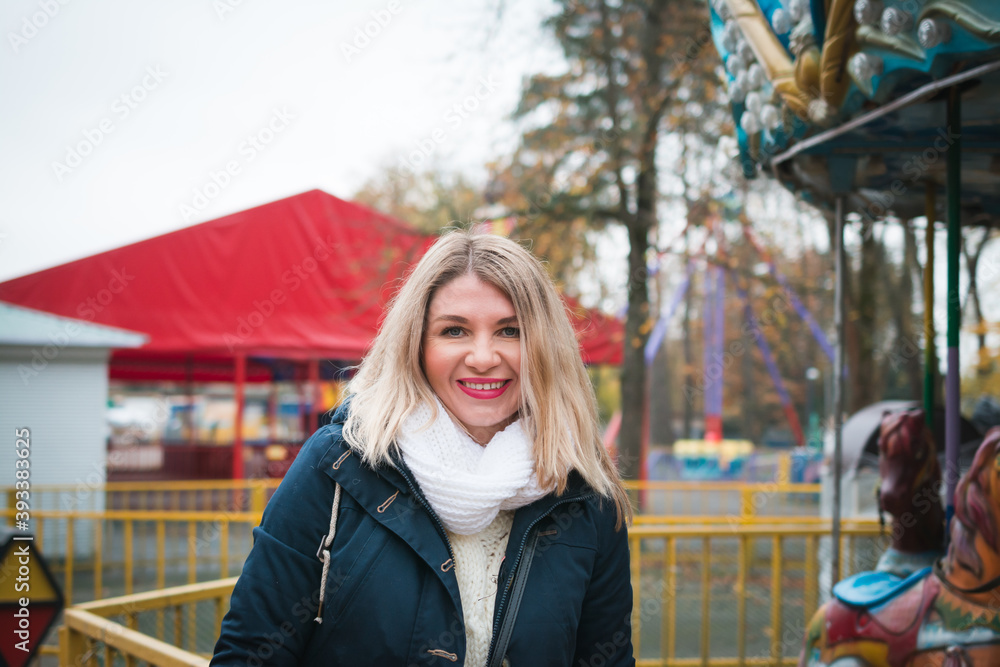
[
  {"x": 918, "y": 608},
  {"x": 713, "y": 456},
  {"x": 870, "y": 109}
]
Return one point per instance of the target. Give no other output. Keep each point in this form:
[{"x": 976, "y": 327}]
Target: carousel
[{"x": 879, "y": 110}]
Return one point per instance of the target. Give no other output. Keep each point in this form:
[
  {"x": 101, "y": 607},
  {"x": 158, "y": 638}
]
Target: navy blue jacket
[{"x": 392, "y": 598}]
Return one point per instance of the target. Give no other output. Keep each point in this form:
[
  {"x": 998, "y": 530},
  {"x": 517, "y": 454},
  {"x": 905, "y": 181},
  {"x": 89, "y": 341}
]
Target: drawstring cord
[{"x": 323, "y": 553}]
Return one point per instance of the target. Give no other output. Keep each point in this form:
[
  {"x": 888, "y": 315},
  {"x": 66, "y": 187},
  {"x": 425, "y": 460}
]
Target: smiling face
[{"x": 472, "y": 355}]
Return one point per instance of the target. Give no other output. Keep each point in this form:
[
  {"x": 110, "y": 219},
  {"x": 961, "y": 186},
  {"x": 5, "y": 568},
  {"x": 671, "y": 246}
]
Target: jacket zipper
[
  {"x": 427, "y": 506},
  {"x": 517, "y": 561}
]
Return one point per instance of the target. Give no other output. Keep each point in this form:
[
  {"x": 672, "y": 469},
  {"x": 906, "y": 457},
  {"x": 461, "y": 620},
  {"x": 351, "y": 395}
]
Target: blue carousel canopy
[{"x": 848, "y": 97}]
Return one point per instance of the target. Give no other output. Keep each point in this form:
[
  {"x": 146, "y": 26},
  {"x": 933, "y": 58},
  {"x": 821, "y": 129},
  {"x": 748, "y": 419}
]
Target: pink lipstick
[{"x": 483, "y": 388}]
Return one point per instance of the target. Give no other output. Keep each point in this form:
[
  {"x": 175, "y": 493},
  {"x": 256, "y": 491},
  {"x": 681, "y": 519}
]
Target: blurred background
[{"x": 204, "y": 207}]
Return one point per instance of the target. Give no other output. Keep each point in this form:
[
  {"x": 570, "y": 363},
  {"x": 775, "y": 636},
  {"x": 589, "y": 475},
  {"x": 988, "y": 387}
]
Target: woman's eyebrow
[
  {"x": 452, "y": 318},
  {"x": 461, "y": 320}
]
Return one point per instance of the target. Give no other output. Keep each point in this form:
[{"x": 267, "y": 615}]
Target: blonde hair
[{"x": 556, "y": 394}]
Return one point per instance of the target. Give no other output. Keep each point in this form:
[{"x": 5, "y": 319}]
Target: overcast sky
[{"x": 124, "y": 119}]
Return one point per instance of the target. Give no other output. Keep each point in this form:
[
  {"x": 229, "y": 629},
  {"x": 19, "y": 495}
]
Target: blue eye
[
  {"x": 510, "y": 332},
  {"x": 452, "y": 332}
]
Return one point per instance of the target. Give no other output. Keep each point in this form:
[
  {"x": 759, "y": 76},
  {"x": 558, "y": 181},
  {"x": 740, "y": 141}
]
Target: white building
[{"x": 54, "y": 383}]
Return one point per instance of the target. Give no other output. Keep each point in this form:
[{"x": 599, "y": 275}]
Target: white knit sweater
[{"x": 477, "y": 565}]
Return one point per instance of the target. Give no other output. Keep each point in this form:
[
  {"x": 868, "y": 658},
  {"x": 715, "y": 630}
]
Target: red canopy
[
  {"x": 600, "y": 335},
  {"x": 301, "y": 278}
]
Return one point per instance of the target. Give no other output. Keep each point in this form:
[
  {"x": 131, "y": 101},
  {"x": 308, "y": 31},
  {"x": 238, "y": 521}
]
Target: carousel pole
[
  {"x": 952, "y": 386},
  {"x": 930, "y": 358},
  {"x": 838, "y": 386}
]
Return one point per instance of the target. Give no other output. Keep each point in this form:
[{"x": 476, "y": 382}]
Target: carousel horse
[
  {"x": 910, "y": 490},
  {"x": 944, "y": 616}
]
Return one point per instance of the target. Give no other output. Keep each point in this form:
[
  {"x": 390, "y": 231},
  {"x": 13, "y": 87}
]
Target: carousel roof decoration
[{"x": 834, "y": 75}]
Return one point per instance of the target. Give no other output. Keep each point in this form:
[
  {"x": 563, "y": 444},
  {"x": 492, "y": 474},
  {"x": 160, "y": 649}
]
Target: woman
[{"x": 462, "y": 478}]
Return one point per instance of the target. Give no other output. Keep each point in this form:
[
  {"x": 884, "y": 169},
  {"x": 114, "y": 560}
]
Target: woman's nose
[{"x": 483, "y": 354}]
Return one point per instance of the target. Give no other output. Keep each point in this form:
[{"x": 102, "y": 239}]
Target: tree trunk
[
  {"x": 972, "y": 265},
  {"x": 910, "y": 351},
  {"x": 917, "y": 274},
  {"x": 635, "y": 407},
  {"x": 634, "y": 404},
  {"x": 863, "y": 375}
]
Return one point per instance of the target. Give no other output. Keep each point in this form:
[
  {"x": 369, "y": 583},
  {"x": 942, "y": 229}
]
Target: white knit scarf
[{"x": 466, "y": 483}]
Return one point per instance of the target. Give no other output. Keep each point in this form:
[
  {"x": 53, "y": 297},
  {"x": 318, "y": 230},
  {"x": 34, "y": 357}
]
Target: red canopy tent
[
  {"x": 304, "y": 279},
  {"x": 600, "y": 336}
]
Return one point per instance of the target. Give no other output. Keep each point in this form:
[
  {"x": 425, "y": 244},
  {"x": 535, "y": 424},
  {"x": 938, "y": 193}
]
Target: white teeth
[{"x": 490, "y": 385}]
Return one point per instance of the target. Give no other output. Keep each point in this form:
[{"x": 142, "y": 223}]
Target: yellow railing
[
  {"x": 712, "y": 500},
  {"x": 171, "y": 540},
  {"x": 97, "y": 554},
  {"x": 252, "y": 495},
  {"x": 703, "y": 595},
  {"x": 190, "y": 495},
  {"x": 743, "y": 595},
  {"x": 88, "y": 629},
  {"x": 140, "y": 549}
]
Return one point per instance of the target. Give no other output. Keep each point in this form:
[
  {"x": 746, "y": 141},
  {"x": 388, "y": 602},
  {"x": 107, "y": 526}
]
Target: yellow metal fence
[
  {"x": 724, "y": 502},
  {"x": 180, "y": 534},
  {"x": 658, "y": 497},
  {"x": 710, "y": 596},
  {"x": 123, "y": 538},
  {"x": 194, "y": 495},
  {"x": 140, "y": 550},
  {"x": 158, "y": 627},
  {"x": 743, "y": 595}
]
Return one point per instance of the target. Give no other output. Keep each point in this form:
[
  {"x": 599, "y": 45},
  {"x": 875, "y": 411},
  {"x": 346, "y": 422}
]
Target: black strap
[
  {"x": 983, "y": 588},
  {"x": 517, "y": 590}
]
